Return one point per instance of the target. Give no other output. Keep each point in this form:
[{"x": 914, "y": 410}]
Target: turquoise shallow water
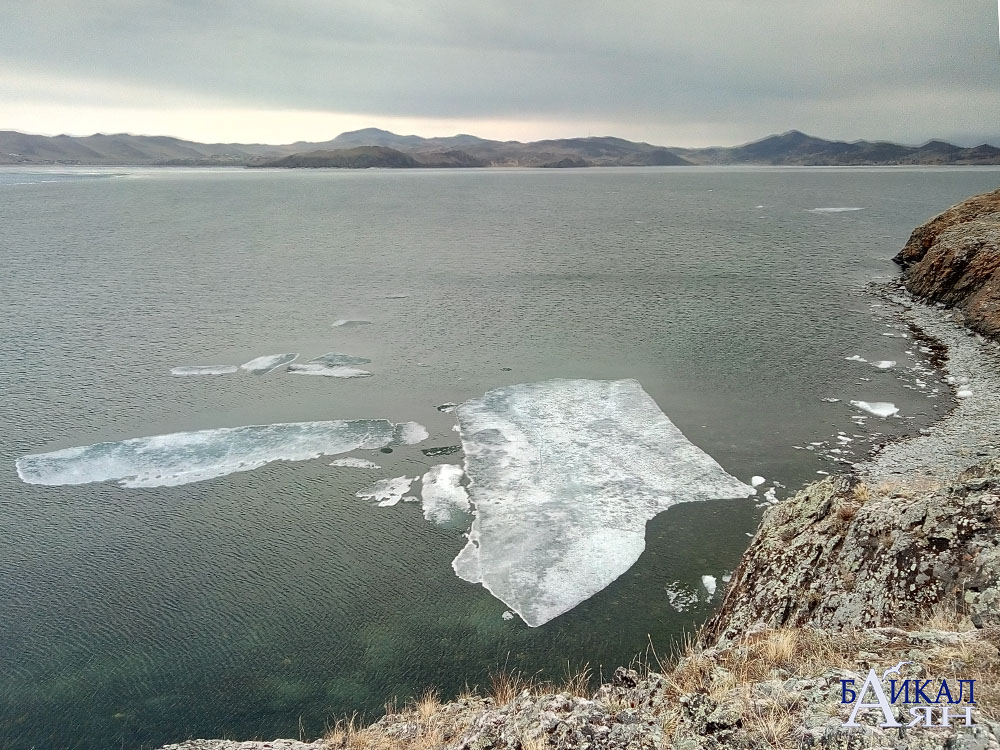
[{"x": 241, "y": 605}]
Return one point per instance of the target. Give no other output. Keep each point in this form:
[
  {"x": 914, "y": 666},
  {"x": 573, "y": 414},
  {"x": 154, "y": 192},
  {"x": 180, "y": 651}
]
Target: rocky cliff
[{"x": 954, "y": 259}]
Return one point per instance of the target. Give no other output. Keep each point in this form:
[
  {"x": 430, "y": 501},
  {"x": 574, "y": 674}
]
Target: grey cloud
[{"x": 672, "y": 61}]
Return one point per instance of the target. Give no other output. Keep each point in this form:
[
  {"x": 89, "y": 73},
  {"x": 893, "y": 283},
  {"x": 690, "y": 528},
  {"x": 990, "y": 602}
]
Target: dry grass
[{"x": 907, "y": 488}]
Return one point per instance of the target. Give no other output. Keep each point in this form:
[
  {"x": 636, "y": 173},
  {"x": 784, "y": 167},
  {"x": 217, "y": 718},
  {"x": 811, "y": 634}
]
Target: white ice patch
[
  {"x": 313, "y": 368},
  {"x": 878, "y": 408},
  {"x": 507, "y": 615},
  {"x": 184, "y": 457},
  {"x": 709, "y": 583},
  {"x": 348, "y": 323},
  {"x": 268, "y": 363},
  {"x": 386, "y": 492},
  {"x": 835, "y": 209},
  {"x": 680, "y": 597},
  {"x": 964, "y": 393},
  {"x": 203, "y": 370},
  {"x": 411, "y": 433},
  {"x": 885, "y": 364},
  {"x": 856, "y": 358},
  {"x": 564, "y": 475},
  {"x": 355, "y": 463},
  {"x": 757, "y": 481},
  {"x": 444, "y": 498}
]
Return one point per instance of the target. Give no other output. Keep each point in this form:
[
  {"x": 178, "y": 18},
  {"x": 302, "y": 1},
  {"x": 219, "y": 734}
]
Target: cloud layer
[{"x": 674, "y": 71}]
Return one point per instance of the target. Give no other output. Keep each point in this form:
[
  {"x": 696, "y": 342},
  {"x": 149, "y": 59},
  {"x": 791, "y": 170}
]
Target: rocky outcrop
[
  {"x": 954, "y": 259},
  {"x": 841, "y": 554}
]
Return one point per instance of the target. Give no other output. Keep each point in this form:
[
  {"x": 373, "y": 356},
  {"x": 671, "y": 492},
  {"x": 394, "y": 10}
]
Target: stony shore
[{"x": 897, "y": 562}]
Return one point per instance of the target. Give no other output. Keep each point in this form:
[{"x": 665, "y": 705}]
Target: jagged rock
[
  {"x": 954, "y": 259},
  {"x": 838, "y": 555}
]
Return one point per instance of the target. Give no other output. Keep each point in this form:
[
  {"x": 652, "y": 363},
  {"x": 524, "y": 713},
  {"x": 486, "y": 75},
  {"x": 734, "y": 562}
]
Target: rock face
[
  {"x": 841, "y": 554},
  {"x": 955, "y": 259}
]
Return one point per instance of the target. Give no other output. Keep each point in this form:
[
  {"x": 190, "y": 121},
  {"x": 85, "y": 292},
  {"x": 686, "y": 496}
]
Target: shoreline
[{"x": 969, "y": 433}]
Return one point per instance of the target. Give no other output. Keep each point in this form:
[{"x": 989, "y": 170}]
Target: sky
[{"x": 670, "y": 72}]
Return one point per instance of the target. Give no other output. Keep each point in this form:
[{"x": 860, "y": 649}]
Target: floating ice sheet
[
  {"x": 336, "y": 359},
  {"x": 268, "y": 362},
  {"x": 878, "y": 408},
  {"x": 564, "y": 475},
  {"x": 203, "y": 370},
  {"x": 443, "y": 497},
  {"x": 835, "y": 209},
  {"x": 386, "y": 492},
  {"x": 347, "y": 323},
  {"x": 354, "y": 463},
  {"x": 338, "y": 371},
  {"x": 885, "y": 364},
  {"x": 710, "y": 584},
  {"x": 184, "y": 457}
]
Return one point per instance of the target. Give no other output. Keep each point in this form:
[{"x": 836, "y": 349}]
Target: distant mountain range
[{"x": 372, "y": 147}]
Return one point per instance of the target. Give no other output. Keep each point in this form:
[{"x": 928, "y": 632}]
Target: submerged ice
[
  {"x": 184, "y": 457},
  {"x": 564, "y": 475}
]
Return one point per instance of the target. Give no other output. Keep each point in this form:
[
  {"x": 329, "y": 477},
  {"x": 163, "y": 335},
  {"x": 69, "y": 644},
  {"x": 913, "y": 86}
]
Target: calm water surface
[{"x": 247, "y": 604}]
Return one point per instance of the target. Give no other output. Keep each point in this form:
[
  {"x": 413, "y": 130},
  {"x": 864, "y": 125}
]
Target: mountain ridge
[{"x": 791, "y": 148}]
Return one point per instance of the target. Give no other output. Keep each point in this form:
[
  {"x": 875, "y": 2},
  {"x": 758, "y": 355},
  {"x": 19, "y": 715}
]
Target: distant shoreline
[{"x": 372, "y": 147}]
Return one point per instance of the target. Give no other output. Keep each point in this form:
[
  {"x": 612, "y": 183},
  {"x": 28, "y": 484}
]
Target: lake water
[{"x": 253, "y": 604}]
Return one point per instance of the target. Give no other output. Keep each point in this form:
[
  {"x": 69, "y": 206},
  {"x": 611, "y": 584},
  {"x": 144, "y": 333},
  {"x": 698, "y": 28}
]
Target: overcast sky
[{"x": 671, "y": 72}]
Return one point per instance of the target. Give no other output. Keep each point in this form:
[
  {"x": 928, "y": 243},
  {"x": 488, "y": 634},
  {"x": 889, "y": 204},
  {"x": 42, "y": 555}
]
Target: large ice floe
[
  {"x": 564, "y": 475},
  {"x": 184, "y": 457},
  {"x": 268, "y": 362}
]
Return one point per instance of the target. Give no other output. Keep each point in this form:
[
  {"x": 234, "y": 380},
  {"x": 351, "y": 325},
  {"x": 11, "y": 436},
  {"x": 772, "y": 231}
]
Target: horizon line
[{"x": 495, "y": 140}]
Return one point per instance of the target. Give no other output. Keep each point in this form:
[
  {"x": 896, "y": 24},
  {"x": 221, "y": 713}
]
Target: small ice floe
[
  {"x": 856, "y": 358},
  {"x": 757, "y": 481},
  {"x": 355, "y": 463},
  {"x": 386, "y": 492},
  {"x": 312, "y": 368},
  {"x": 830, "y": 400},
  {"x": 895, "y": 335},
  {"x": 885, "y": 364},
  {"x": 770, "y": 496},
  {"x": 964, "y": 393},
  {"x": 680, "y": 597},
  {"x": 727, "y": 577},
  {"x": 203, "y": 370},
  {"x": 709, "y": 583},
  {"x": 820, "y": 471},
  {"x": 444, "y": 450},
  {"x": 336, "y": 359},
  {"x": 444, "y": 498},
  {"x": 835, "y": 209},
  {"x": 397, "y": 296},
  {"x": 878, "y": 408},
  {"x": 268, "y": 363},
  {"x": 446, "y": 408},
  {"x": 348, "y": 323},
  {"x": 508, "y": 615}
]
